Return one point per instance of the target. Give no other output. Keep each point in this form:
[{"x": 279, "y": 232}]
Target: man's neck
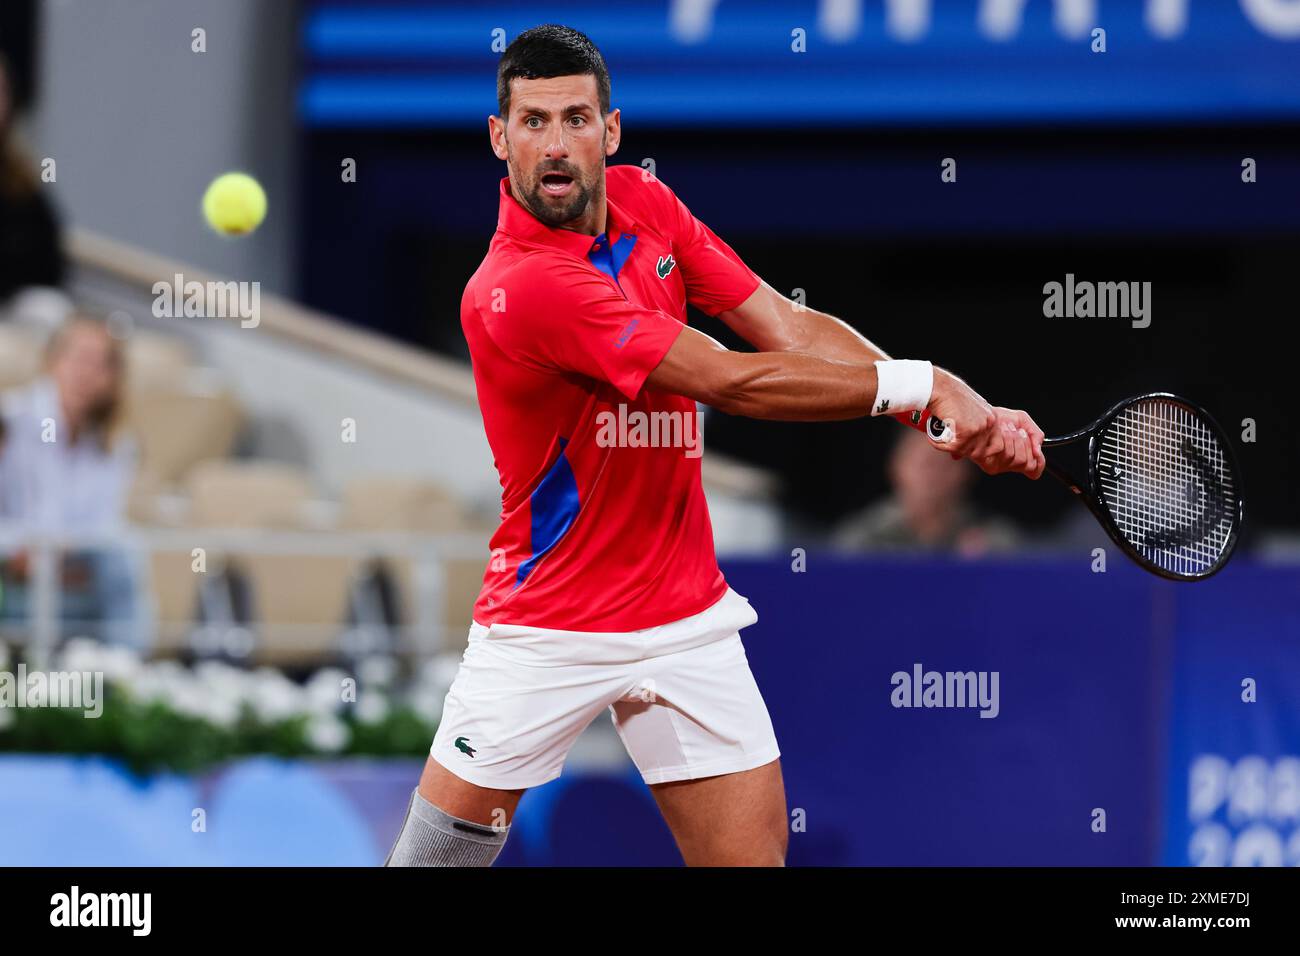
[
  {"x": 594, "y": 227},
  {"x": 592, "y": 223}
]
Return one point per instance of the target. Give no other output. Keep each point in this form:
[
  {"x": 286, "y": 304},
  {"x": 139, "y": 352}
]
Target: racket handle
[{"x": 935, "y": 429}]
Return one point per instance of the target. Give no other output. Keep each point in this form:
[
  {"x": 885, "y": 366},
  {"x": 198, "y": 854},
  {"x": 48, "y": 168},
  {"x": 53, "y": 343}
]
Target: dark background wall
[{"x": 18, "y": 45}]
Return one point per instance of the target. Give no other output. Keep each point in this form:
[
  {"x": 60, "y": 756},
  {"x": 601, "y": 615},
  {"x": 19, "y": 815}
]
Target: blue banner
[
  {"x": 1109, "y": 719},
  {"x": 1234, "y": 766},
  {"x": 712, "y": 62}
]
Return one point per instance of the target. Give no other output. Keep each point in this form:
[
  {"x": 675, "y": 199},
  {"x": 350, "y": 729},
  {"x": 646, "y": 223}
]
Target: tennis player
[{"x": 603, "y": 591}]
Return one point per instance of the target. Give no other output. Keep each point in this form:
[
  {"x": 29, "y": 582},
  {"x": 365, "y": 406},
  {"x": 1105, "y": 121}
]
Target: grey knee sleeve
[{"x": 430, "y": 837}]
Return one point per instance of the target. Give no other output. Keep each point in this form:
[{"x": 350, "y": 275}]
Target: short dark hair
[{"x": 547, "y": 51}]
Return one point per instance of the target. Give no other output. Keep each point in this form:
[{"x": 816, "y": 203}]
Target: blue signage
[{"x": 692, "y": 63}]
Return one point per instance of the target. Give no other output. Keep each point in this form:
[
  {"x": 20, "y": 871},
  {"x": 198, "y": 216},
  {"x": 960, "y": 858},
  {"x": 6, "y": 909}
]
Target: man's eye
[
  {"x": 533, "y": 122},
  {"x": 577, "y": 120}
]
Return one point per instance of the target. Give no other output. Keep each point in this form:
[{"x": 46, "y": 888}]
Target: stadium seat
[
  {"x": 299, "y": 600},
  {"x": 181, "y": 424},
  {"x": 154, "y": 360},
  {"x": 242, "y": 494},
  {"x": 462, "y": 579},
  {"x": 175, "y": 590},
  {"x": 299, "y": 604},
  {"x": 393, "y": 503},
  {"x": 390, "y": 503}
]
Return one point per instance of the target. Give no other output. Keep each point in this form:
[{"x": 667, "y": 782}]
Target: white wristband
[{"x": 902, "y": 385}]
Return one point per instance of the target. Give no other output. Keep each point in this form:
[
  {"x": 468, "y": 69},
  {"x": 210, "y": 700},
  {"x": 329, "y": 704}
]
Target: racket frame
[
  {"x": 1090, "y": 491},
  {"x": 1093, "y": 496}
]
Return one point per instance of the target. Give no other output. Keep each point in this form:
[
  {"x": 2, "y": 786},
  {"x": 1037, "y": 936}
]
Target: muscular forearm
[
  {"x": 795, "y": 386},
  {"x": 784, "y": 385},
  {"x": 829, "y": 338},
  {"x": 772, "y": 323}
]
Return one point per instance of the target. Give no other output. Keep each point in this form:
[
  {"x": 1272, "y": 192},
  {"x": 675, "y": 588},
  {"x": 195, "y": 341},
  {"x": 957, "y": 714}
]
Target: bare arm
[
  {"x": 771, "y": 322},
  {"x": 813, "y": 367},
  {"x": 788, "y": 386}
]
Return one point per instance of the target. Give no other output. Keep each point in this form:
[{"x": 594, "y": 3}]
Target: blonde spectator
[{"x": 66, "y": 468}]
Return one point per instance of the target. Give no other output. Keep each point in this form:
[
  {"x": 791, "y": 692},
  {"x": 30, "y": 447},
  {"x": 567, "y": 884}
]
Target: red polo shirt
[{"x": 604, "y": 526}]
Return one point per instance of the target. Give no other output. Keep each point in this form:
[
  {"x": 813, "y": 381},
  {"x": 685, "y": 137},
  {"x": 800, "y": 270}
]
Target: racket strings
[{"x": 1166, "y": 481}]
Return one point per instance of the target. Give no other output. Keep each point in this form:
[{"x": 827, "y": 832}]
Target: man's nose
[{"x": 557, "y": 148}]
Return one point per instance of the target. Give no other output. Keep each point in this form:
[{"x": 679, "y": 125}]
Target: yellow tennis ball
[{"x": 234, "y": 204}]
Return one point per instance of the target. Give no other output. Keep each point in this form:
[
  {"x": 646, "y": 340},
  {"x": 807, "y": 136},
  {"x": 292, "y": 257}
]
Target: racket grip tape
[{"x": 933, "y": 428}]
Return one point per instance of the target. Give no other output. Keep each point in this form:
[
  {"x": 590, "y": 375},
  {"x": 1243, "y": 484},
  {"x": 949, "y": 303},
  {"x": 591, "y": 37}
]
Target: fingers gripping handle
[{"x": 936, "y": 429}]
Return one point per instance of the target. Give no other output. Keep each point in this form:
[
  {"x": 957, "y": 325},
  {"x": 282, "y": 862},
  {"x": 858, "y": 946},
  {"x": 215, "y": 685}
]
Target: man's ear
[
  {"x": 613, "y": 132},
  {"x": 497, "y": 137}
]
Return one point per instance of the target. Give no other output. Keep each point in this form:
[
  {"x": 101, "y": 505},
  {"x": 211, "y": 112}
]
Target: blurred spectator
[
  {"x": 1078, "y": 531},
  {"x": 65, "y": 468},
  {"x": 928, "y": 509},
  {"x": 31, "y": 262}
]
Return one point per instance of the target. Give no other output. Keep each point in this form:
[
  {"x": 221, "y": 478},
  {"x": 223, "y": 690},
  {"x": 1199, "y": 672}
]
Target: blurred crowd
[{"x": 928, "y": 508}]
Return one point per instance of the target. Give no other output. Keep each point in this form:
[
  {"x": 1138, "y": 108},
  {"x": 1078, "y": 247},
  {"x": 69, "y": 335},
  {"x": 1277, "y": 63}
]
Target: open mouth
[{"x": 557, "y": 184}]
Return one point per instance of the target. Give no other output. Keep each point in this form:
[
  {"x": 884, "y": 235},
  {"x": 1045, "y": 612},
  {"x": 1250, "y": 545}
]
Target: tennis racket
[{"x": 1158, "y": 473}]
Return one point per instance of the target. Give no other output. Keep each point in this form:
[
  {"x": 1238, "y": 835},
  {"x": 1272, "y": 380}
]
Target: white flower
[
  {"x": 275, "y": 697},
  {"x": 430, "y": 688},
  {"x": 377, "y": 670},
  {"x": 324, "y": 690},
  {"x": 214, "y": 673},
  {"x": 81, "y": 654},
  {"x": 166, "y": 682},
  {"x": 222, "y": 711},
  {"x": 442, "y": 669},
  {"x": 226, "y": 688},
  {"x": 372, "y": 707},
  {"x": 183, "y": 699},
  {"x": 119, "y": 664},
  {"x": 327, "y": 733},
  {"x": 427, "y": 701}
]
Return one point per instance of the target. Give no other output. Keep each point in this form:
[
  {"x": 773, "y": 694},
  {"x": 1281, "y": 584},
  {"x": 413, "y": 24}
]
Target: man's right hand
[{"x": 997, "y": 439}]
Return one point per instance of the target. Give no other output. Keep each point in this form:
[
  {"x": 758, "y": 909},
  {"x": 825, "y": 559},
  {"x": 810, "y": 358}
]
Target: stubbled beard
[{"x": 549, "y": 213}]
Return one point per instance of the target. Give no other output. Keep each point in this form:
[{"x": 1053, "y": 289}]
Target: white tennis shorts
[{"x": 681, "y": 696}]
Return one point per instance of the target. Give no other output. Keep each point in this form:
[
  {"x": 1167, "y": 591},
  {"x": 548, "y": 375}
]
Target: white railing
[{"x": 421, "y": 637}]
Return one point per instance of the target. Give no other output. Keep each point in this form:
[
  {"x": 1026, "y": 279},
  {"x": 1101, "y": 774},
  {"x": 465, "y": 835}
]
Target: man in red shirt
[{"x": 603, "y": 591}]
